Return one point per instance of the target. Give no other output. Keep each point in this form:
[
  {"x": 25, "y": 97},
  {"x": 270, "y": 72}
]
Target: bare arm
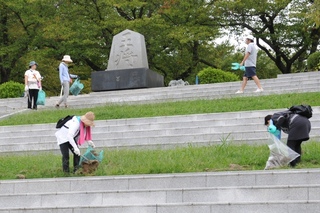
[
  {"x": 244, "y": 58},
  {"x": 25, "y": 80}
]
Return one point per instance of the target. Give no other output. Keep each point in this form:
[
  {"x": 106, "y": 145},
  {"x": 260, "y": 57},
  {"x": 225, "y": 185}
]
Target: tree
[
  {"x": 177, "y": 43},
  {"x": 16, "y": 33},
  {"x": 282, "y": 25},
  {"x": 314, "y": 13}
]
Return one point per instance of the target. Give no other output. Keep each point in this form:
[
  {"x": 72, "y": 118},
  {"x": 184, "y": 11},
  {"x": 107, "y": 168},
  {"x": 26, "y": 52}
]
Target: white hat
[
  {"x": 67, "y": 58},
  {"x": 250, "y": 37}
]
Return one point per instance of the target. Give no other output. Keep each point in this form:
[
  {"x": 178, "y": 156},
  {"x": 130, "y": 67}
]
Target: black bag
[
  {"x": 281, "y": 120},
  {"x": 304, "y": 110},
  {"x": 64, "y": 120}
]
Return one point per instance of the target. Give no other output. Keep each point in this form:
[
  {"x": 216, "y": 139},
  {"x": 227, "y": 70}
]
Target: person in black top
[{"x": 296, "y": 126}]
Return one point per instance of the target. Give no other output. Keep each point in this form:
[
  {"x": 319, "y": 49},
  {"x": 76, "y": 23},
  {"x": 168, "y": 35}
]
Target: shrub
[
  {"x": 211, "y": 75},
  {"x": 313, "y": 61},
  {"x": 11, "y": 89}
]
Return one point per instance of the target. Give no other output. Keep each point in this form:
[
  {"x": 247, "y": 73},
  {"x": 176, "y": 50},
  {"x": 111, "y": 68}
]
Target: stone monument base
[{"x": 125, "y": 79}]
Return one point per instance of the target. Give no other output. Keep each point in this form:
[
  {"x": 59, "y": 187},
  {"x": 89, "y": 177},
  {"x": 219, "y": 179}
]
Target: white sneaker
[
  {"x": 259, "y": 90},
  {"x": 239, "y": 92}
]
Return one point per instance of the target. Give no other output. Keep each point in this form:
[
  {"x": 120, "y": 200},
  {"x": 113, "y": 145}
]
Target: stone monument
[{"x": 127, "y": 66}]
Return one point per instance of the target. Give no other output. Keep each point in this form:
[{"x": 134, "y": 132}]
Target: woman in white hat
[
  {"x": 65, "y": 79},
  {"x": 72, "y": 135},
  {"x": 32, "y": 81}
]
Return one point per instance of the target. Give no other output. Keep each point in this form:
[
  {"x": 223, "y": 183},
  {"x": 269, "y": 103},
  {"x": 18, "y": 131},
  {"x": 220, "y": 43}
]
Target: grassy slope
[{"x": 190, "y": 159}]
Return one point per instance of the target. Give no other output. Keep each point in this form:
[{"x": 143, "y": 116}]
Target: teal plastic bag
[
  {"x": 91, "y": 155},
  {"x": 236, "y": 66},
  {"x": 90, "y": 160},
  {"x": 41, "y": 98},
  {"x": 76, "y": 87}
]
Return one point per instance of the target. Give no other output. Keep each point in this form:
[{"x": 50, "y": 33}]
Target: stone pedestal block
[{"x": 125, "y": 79}]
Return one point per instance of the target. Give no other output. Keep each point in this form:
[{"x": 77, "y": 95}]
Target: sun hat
[
  {"x": 32, "y": 63},
  {"x": 88, "y": 119},
  {"x": 67, "y": 58},
  {"x": 250, "y": 37}
]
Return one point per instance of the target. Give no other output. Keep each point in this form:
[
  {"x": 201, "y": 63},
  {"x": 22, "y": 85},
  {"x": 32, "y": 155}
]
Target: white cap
[{"x": 250, "y": 37}]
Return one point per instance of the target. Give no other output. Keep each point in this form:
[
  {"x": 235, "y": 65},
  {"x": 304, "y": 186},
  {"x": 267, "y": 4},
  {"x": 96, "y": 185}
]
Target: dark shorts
[{"x": 250, "y": 72}]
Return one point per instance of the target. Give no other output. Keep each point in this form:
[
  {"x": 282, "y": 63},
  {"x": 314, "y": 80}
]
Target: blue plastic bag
[
  {"x": 76, "y": 87},
  {"x": 41, "y": 98}
]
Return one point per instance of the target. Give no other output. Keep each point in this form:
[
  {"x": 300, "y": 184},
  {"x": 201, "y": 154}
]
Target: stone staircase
[
  {"x": 156, "y": 132},
  {"x": 283, "y": 84},
  {"x": 257, "y": 191},
  {"x": 209, "y": 192}
]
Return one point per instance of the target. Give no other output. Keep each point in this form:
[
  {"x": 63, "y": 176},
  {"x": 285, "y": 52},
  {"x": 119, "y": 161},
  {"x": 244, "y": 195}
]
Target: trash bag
[
  {"x": 90, "y": 160},
  {"x": 41, "y": 98},
  {"x": 76, "y": 87},
  {"x": 280, "y": 154}
]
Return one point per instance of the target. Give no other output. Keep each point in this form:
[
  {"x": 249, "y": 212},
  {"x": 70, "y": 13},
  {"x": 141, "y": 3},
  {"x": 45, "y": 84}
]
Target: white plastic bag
[{"x": 280, "y": 153}]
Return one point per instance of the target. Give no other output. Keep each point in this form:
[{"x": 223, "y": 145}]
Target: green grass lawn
[
  {"x": 115, "y": 111},
  {"x": 221, "y": 157}
]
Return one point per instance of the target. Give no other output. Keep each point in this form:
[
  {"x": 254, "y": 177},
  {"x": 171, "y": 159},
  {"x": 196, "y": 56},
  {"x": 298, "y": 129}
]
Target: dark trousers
[
  {"x": 295, "y": 145},
  {"x": 64, "y": 148},
  {"x": 33, "y": 97}
]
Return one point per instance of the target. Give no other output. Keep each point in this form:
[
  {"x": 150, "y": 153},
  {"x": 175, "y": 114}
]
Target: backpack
[
  {"x": 64, "y": 120},
  {"x": 284, "y": 116},
  {"x": 304, "y": 110}
]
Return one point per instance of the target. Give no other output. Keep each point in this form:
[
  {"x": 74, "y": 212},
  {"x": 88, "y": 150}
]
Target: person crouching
[{"x": 72, "y": 135}]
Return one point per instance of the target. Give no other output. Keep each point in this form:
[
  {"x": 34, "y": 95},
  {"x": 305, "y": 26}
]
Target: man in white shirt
[{"x": 249, "y": 61}]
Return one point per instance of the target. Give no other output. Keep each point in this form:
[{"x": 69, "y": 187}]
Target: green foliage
[
  {"x": 211, "y": 75},
  {"x": 314, "y": 13},
  {"x": 179, "y": 45},
  {"x": 11, "y": 89},
  {"x": 285, "y": 41},
  {"x": 313, "y": 62}
]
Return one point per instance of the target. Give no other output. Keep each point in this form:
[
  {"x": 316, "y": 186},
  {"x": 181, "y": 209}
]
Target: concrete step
[
  {"x": 221, "y": 192},
  {"x": 252, "y": 207},
  {"x": 162, "y": 195},
  {"x": 300, "y": 82},
  {"x": 246, "y": 179},
  {"x": 156, "y": 132}
]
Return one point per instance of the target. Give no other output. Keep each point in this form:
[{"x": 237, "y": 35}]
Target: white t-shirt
[
  {"x": 32, "y": 76},
  {"x": 252, "y": 59}
]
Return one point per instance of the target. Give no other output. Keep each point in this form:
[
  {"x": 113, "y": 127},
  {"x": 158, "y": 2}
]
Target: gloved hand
[
  {"x": 76, "y": 151},
  {"x": 272, "y": 129},
  {"x": 91, "y": 144},
  {"x": 26, "y": 88}
]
